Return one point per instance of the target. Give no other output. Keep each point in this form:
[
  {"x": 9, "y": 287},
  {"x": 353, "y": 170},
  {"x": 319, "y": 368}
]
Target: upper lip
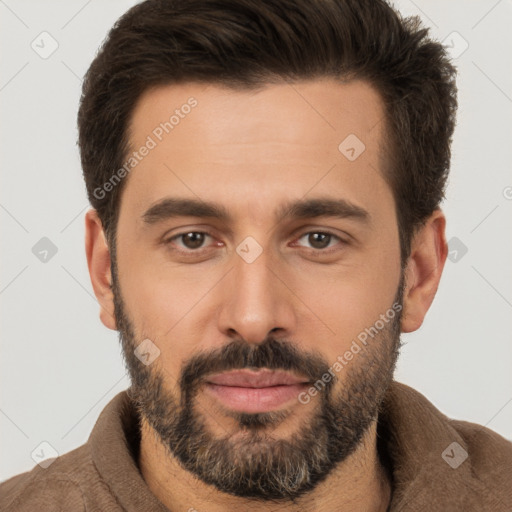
[{"x": 255, "y": 379}]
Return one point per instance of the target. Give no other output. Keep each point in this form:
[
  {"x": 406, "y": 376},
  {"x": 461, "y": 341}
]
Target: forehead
[
  {"x": 213, "y": 142},
  {"x": 302, "y": 108}
]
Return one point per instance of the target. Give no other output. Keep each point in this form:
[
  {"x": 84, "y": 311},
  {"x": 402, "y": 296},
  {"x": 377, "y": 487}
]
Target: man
[{"x": 266, "y": 177}]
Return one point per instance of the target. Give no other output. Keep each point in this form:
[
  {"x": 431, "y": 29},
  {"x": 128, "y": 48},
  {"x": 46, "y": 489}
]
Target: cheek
[
  {"x": 169, "y": 305},
  {"x": 337, "y": 311},
  {"x": 343, "y": 302},
  {"x": 158, "y": 292}
]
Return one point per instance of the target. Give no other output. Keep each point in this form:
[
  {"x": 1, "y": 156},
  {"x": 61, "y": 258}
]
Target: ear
[
  {"x": 424, "y": 268},
  {"x": 98, "y": 261}
]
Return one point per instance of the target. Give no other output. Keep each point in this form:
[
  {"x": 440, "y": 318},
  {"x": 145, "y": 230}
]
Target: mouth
[{"x": 255, "y": 391}]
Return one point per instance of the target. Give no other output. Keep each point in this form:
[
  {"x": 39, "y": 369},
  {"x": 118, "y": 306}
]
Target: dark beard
[{"x": 257, "y": 465}]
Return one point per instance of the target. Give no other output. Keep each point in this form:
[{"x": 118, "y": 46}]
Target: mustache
[{"x": 238, "y": 354}]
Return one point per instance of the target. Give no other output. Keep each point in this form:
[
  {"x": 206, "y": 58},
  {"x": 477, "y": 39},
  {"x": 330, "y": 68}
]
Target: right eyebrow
[{"x": 170, "y": 207}]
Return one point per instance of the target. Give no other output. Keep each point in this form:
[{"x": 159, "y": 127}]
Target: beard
[{"x": 256, "y": 464}]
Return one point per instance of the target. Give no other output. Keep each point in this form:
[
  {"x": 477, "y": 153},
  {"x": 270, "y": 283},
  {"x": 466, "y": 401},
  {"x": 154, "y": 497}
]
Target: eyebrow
[{"x": 171, "y": 207}]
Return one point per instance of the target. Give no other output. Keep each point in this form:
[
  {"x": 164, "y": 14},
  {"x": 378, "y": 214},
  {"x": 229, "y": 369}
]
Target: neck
[{"x": 360, "y": 483}]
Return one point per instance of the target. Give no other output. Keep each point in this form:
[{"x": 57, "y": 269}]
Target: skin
[{"x": 251, "y": 151}]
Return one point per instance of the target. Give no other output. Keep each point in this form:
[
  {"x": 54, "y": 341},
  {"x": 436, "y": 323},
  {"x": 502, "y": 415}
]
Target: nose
[{"x": 256, "y": 301}]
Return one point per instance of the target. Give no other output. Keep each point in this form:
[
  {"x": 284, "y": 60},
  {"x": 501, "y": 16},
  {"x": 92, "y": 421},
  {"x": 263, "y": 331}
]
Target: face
[{"x": 263, "y": 264}]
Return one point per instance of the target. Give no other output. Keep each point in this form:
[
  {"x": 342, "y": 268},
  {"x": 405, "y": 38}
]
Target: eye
[
  {"x": 320, "y": 240},
  {"x": 195, "y": 242},
  {"x": 191, "y": 240}
]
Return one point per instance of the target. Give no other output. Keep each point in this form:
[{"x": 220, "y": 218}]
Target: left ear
[{"x": 423, "y": 272}]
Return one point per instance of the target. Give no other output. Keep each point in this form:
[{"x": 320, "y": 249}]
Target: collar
[
  {"x": 429, "y": 460},
  {"x": 114, "y": 444}
]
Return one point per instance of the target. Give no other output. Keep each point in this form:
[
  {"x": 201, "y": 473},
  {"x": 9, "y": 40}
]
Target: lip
[
  {"x": 252, "y": 392},
  {"x": 255, "y": 379}
]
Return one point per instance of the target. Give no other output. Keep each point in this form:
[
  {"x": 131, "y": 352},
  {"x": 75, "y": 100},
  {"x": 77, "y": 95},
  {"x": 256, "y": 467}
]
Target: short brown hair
[{"x": 245, "y": 44}]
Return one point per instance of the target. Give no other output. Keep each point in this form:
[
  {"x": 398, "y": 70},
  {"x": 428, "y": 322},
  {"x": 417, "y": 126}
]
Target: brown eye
[
  {"x": 189, "y": 241},
  {"x": 193, "y": 240},
  {"x": 319, "y": 240}
]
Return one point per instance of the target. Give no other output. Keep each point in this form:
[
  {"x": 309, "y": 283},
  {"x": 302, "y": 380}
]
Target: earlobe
[
  {"x": 98, "y": 262},
  {"x": 424, "y": 268}
]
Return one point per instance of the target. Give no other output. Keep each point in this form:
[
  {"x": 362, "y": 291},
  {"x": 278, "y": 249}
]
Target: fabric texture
[{"x": 436, "y": 464}]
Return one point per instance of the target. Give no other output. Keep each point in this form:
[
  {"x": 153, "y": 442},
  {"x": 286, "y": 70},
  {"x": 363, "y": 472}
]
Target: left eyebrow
[
  {"x": 170, "y": 207},
  {"x": 323, "y": 207}
]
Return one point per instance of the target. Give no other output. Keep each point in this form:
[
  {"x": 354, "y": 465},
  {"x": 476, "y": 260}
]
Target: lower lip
[{"x": 254, "y": 400}]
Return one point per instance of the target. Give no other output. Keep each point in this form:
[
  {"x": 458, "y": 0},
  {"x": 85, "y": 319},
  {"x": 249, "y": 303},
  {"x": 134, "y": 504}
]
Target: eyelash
[{"x": 201, "y": 250}]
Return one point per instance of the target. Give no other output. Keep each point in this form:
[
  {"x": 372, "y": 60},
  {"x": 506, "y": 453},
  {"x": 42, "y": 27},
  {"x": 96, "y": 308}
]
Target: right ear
[{"x": 98, "y": 261}]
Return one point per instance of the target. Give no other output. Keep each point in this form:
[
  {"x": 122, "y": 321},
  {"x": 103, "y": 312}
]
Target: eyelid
[
  {"x": 315, "y": 228},
  {"x": 168, "y": 240},
  {"x": 324, "y": 232}
]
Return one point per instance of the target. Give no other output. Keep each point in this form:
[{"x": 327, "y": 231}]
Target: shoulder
[
  {"x": 440, "y": 463},
  {"x": 59, "y": 486},
  {"x": 489, "y": 452}
]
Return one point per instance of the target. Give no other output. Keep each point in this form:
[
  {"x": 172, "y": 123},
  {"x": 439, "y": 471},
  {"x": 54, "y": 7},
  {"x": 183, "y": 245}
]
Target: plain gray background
[{"x": 60, "y": 366}]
